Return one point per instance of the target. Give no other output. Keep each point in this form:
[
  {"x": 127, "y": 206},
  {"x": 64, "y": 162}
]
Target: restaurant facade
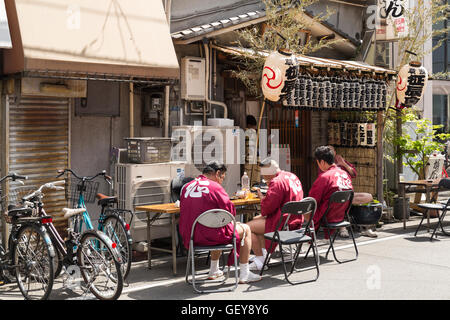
[
  {"x": 74, "y": 85},
  {"x": 352, "y": 125}
]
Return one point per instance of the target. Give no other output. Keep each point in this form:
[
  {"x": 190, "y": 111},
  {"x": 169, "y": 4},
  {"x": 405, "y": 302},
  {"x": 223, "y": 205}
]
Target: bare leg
[
  {"x": 244, "y": 253},
  {"x": 215, "y": 255},
  {"x": 257, "y": 226}
]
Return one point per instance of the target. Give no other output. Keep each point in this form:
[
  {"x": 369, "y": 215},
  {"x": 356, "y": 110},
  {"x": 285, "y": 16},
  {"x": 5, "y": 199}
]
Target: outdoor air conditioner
[
  {"x": 144, "y": 184},
  {"x": 193, "y": 81},
  {"x": 228, "y": 147}
]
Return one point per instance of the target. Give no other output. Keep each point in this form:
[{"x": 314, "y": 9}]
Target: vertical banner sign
[
  {"x": 392, "y": 20},
  {"x": 411, "y": 83}
]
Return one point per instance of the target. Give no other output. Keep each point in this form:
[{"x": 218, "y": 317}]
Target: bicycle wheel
[
  {"x": 100, "y": 271},
  {"x": 33, "y": 262},
  {"x": 115, "y": 229},
  {"x": 57, "y": 261}
]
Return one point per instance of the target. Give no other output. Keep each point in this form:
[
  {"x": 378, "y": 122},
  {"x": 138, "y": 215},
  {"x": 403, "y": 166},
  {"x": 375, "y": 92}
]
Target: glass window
[{"x": 440, "y": 111}]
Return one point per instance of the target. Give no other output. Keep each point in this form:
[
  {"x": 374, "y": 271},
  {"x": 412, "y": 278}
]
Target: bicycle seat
[
  {"x": 20, "y": 212},
  {"x": 72, "y": 212},
  {"x": 104, "y": 200}
]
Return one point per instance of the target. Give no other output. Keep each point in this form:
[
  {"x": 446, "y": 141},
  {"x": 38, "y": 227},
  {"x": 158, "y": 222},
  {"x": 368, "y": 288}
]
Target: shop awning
[
  {"x": 312, "y": 61},
  {"x": 102, "y": 37},
  {"x": 5, "y": 38}
]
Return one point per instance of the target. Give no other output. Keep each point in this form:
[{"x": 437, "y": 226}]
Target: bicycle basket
[
  {"x": 89, "y": 192},
  {"x": 14, "y": 197}
]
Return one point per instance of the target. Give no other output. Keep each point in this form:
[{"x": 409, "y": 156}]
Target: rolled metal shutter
[{"x": 39, "y": 146}]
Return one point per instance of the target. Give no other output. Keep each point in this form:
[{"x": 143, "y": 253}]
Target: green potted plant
[{"x": 416, "y": 151}]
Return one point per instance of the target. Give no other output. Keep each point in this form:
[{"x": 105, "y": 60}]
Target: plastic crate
[{"x": 149, "y": 150}]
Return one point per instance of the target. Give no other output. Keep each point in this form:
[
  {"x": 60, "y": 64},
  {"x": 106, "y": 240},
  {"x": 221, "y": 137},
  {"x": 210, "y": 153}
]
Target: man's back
[
  {"x": 197, "y": 197},
  {"x": 328, "y": 182}
]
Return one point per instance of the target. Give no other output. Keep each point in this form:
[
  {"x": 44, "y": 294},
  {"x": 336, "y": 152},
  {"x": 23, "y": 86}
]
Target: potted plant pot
[{"x": 366, "y": 214}]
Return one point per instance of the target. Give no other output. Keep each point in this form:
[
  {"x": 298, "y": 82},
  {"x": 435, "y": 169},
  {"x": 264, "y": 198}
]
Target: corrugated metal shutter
[{"x": 39, "y": 146}]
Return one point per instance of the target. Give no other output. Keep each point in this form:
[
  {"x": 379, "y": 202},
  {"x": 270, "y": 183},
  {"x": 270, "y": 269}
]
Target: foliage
[
  {"x": 417, "y": 151},
  {"x": 286, "y": 27},
  {"x": 425, "y": 22}
]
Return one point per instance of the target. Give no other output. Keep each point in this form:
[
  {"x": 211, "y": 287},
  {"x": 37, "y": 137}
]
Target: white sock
[
  {"x": 264, "y": 251},
  {"x": 244, "y": 270},
  {"x": 214, "y": 266}
]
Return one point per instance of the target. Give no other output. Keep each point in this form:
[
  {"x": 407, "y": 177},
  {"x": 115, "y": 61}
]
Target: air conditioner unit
[
  {"x": 145, "y": 184},
  {"x": 193, "y": 79},
  {"x": 197, "y": 141}
]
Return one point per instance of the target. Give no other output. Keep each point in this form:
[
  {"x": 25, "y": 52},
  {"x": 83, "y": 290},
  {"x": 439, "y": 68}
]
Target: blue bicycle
[{"x": 112, "y": 221}]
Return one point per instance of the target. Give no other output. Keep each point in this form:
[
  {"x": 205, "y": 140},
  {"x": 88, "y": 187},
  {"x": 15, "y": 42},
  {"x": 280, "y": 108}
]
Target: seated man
[
  {"x": 205, "y": 193},
  {"x": 330, "y": 179},
  {"x": 358, "y": 197},
  {"x": 283, "y": 187}
]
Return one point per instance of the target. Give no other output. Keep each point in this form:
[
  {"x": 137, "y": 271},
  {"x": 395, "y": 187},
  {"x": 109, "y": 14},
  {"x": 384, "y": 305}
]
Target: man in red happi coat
[
  {"x": 206, "y": 193},
  {"x": 283, "y": 187},
  {"x": 331, "y": 179}
]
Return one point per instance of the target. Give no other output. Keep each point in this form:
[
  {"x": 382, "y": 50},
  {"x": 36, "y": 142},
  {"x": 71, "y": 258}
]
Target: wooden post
[
  {"x": 399, "y": 162},
  {"x": 380, "y": 129}
]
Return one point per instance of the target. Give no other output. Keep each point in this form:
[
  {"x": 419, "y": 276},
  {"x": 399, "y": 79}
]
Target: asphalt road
[{"x": 396, "y": 265}]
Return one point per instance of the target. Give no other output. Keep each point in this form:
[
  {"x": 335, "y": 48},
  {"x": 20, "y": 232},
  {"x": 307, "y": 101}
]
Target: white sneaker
[
  {"x": 250, "y": 277},
  {"x": 256, "y": 265},
  {"x": 215, "y": 275}
]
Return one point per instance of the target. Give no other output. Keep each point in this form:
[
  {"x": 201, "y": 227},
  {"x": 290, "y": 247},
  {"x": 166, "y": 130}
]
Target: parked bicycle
[
  {"x": 114, "y": 222},
  {"x": 30, "y": 255},
  {"x": 92, "y": 251}
]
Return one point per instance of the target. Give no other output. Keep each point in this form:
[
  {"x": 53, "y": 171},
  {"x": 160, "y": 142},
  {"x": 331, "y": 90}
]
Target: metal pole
[
  {"x": 166, "y": 111},
  {"x": 131, "y": 109},
  {"x": 380, "y": 129}
]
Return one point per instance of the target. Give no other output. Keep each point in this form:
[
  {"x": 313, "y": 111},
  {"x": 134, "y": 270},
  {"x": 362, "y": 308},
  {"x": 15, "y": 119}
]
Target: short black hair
[
  {"x": 213, "y": 167},
  {"x": 324, "y": 153},
  {"x": 251, "y": 120}
]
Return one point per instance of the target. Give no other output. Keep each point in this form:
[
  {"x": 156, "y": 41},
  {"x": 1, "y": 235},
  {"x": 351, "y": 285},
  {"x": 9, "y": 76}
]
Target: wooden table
[
  {"x": 417, "y": 186},
  {"x": 173, "y": 210}
]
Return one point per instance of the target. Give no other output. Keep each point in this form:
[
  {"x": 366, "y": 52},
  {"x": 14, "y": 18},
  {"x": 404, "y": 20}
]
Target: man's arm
[
  {"x": 272, "y": 201},
  {"x": 340, "y": 161}
]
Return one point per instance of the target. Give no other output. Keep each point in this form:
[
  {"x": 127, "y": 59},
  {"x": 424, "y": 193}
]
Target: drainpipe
[
  {"x": 168, "y": 7},
  {"x": 166, "y": 111},
  {"x": 131, "y": 109},
  {"x": 219, "y": 103}
]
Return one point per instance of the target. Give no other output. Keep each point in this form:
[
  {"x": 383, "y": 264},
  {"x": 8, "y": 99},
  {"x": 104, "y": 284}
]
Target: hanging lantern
[
  {"x": 279, "y": 75},
  {"x": 411, "y": 83}
]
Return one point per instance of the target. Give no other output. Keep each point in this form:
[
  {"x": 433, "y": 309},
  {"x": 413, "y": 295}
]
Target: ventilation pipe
[{"x": 219, "y": 103}]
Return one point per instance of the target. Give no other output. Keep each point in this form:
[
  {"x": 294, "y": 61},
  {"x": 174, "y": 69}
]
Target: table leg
[
  {"x": 428, "y": 200},
  {"x": 401, "y": 189},
  {"x": 174, "y": 245},
  {"x": 149, "y": 241}
]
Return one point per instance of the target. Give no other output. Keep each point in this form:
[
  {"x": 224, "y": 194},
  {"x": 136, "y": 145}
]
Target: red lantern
[{"x": 274, "y": 73}]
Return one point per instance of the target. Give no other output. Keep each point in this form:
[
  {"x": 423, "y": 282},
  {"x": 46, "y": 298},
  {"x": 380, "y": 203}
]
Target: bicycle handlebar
[
  {"x": 50, "y": 185},
  {"x": 14, "y": 177},
  {"x": 103, "y": 173}
]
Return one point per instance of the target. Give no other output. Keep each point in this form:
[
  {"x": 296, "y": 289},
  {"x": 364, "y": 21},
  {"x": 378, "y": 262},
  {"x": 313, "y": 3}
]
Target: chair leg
[
  {"x": 444, "y": 213},
  {"x": 188, "y": 265},
  {"x": 354, "y": 243},
  {"x": 268, "y": 256},
  {"x": 420, "y": 224},
  {"x": 331, "y": 245},
  {"x": 297, "y": 253},
  {"x": 437, "y": 226}
]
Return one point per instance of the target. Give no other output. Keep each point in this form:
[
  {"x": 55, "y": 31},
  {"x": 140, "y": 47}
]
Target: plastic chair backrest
[
  {"x": 341, "y": 196},
  {"x": 214, "y": 218},
  {"x": 302, "y": 207}
]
